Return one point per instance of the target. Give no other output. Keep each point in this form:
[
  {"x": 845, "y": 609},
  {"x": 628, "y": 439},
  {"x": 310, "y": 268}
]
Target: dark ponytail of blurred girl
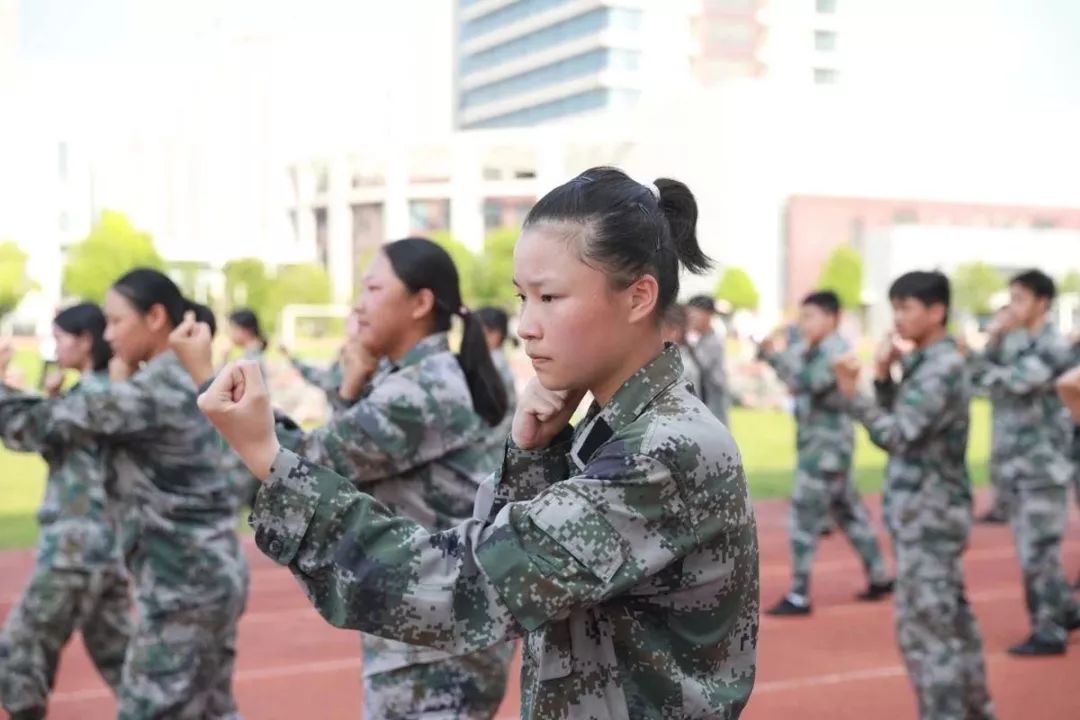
[{"x": 420, "y": 263}]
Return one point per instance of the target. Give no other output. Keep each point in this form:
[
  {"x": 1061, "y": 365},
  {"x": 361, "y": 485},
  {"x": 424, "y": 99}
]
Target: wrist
[{"x": 260, "y": 458}]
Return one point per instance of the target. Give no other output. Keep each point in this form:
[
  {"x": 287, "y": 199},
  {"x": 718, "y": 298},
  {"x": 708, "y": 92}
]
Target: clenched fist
[
  {"x": 357, "y": 367},
  {"x": 541, "y": 414},
  {"x": 191, "y": 341},
  {"x": 238, "y": 405},
  {"x": 847, "y": 368}
]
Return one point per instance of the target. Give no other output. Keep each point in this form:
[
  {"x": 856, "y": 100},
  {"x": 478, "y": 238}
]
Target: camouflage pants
[
  {"x": 180, "y": 661},
  {"x": 817, "y": 498},
  {"x": 467, "y": 687},
  {"x": 999, "y": 484},
  {"x": 55, "y": 604},
  {"x": 938, "y": 635},
  {"x": 1038, "y": 521}
]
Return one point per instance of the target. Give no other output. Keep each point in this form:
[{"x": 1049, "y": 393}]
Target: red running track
[{"x": 841, "y": 663}]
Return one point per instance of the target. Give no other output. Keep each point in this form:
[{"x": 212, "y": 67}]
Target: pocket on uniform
[
  {"x": 551, "y": 651},
  {"x": 572, "y": 522}
]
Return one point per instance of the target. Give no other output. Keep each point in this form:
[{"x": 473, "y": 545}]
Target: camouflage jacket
[
  {"x": 416, "y": 444},
  {"x": 691, "y": 368},
  {"x": 78, "y": 524},
  {"x": 625, "y": 554},
  {"x": 922, "y": 423},
  {"x": 709, "y": 352},
  {"x": 825, "y": 436},
  {"x": 174, "y": 500},
  {"x": 1032, "y": 426},
  {"x": 327, "y": 379}
]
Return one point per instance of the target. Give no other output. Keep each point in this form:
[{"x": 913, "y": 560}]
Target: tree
[
  {"x": 247, "y": 284},
  {"x": 973, "y": 285},
  {"x": 14, "y": 282},
  {"x": 1070, "y": 283},
  {"x": 736, "y": 287},
  {"x": 301, "y": 284},
  {"x": 843, "y": 274},
  {"x": 495, "y": 269},
  {"x": 466, "y": 262},
  {"x": 111, "y": 249}
]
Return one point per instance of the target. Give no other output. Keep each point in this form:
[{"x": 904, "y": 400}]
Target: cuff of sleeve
[
  {"x": 284, "y": 506},
  {"x": 862, "y": 406},
  {"x": 205, "y": 385},
  {"x": 526, "y": 473}
]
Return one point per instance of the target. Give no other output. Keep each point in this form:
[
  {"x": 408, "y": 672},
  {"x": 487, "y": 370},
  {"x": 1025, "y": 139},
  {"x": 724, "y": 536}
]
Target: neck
[
  {"x": 88, "y": 366},
  {"x": 938, "y": 333},
  {"x": 409, "y": 339},
  {"x": 642, "y": 355},
  {"x": 253, "y": 344},
  {"x": 158, "y": 348},
  {"x": 1035, "y": 326}
]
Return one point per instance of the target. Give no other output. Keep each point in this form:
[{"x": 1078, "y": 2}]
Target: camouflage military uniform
[
  {"x": 825, "y": 443},
  {"x": 415, "y": 443},
  {"x": 177, "y": 534},
  {"x": 625, "y": 554},
  {"x": 999, "y": 446},
  {"x": 1037, "y": 470},
  {"x": 923, "y": 424},
  {"x": 79, "y": 581},
  {"x": 327, "y": 379},
  {"x": 713, "y": 391},
  {"x": 691, "y": 368}
]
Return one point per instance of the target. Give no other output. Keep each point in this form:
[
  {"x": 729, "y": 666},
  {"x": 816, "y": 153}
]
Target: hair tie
[{"x": 463, "y": 312}]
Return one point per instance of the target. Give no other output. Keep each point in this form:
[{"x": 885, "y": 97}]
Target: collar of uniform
[
  {"x": 627, "y": 404},
  {"x": 912, "y": 360},
  {"x": 431, "y": 345},
  {"x": 834, "y": 342}
]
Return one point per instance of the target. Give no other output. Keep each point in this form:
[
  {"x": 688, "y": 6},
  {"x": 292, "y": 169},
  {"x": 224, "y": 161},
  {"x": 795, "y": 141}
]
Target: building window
[
  {"x": 427, "y": 216},
  {"x": 825, "y": 76},
  {"x": 322, "y": 237},
  {"x": 826, "y": 7},
  {"x": 824, "y": 40},
  {"x": 1043, "y": 223}
]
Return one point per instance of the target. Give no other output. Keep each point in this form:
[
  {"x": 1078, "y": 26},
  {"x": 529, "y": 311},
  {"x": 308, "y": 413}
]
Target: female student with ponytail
[
  {"x": 79, "y": 581},
  {"x": 410, "y": 430},
  {"x": 177, "y": 510},
  {"x": 623, "y": 550}
]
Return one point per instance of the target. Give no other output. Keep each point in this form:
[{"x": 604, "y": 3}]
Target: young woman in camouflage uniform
[
  {"x": 177, "y": 509},
  {"x": 413, "y": 430},
  {"x": 79, "y": 581},
  {"x": 624, "y": 550}
]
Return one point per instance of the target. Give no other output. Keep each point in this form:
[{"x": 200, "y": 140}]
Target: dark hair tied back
[
  {"x": 422, "y": 264},
  {"x": 87, "y": 319},
  {"x": 630, "y": 231}
]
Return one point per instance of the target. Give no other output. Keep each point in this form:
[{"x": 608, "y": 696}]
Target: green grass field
[{"x": 767, "y": 441}]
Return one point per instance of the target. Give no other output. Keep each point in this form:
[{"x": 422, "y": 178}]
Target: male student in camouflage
[
  {"x": 922, "y": 423},
  {"x": 825, "y": 443},
  {"x": 711, "y": 356},
  {"x": 1035, "y": 440},
  {"x": 79, "y": 581}
]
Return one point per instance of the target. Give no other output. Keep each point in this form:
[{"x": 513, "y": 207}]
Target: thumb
[
  {"x": 248, "y": 375},
  {"x": 186, "y": 327}
]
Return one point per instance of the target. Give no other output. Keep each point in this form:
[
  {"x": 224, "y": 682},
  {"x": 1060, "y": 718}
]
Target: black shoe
[
  {"x": 1037, "y": 647},
  {"x": 994, "y": 516},
  {"x": 1073, "y": 623},
  {"x": 826, "y": 531},
  {"x": 876, "y": 591},
  {"x": 786, "y": 608}
]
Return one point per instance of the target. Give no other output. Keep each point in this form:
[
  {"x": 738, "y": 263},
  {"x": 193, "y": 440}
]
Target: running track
[{"x": 839, "y": 664}]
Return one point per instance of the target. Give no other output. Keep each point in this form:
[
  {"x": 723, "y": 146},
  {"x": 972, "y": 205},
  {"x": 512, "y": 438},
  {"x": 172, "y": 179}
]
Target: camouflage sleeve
[
  {"x": 1029, "y": 372},
  {"x": 885, "y": 393},
  {"x": 21, "y": 425},
  {"x": 384, "y": 434},
  {"x": 787, "y": 365},
  {"x": 919, "y": 403},
  {"x": 120, "y": 410},
  {"x": 580, "y": 542}
]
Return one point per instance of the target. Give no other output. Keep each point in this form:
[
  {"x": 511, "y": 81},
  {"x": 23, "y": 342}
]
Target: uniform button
[{"x": 276, "y": 547}]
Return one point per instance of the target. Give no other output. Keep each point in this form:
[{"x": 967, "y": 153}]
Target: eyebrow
[{"x": 533, "y": 283}]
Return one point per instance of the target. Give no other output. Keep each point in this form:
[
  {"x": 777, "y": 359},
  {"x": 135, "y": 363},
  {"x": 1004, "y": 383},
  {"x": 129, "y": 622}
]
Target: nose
[{"x": 528, "y": 328}]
